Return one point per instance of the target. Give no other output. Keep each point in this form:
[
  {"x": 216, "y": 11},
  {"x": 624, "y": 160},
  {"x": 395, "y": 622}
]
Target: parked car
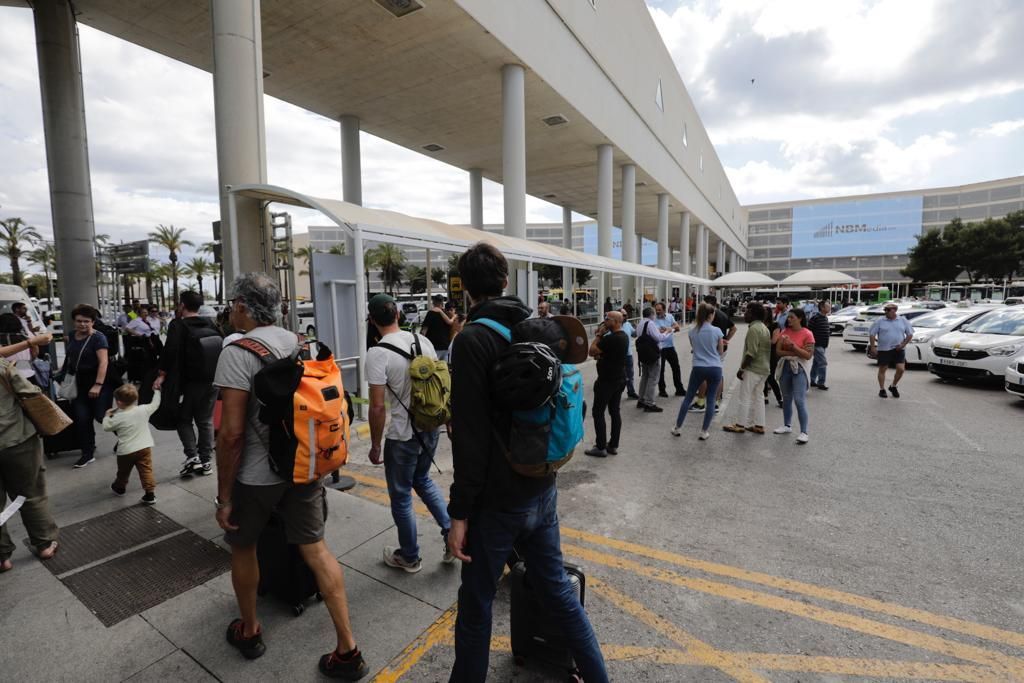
[
  {"x": 837, "y": 319},
  {"x": 12, "y": 294},
  {"x": 1013, "y": 380},
  {"x": 935, "y": 324},
  {"x": 982, "y": 348},
  {"x": 856, "y": 332}
]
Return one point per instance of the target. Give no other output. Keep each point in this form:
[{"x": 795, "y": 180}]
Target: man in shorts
[
  {"x": 890, "y": 335},
  {"x": 248, "y": 490}
]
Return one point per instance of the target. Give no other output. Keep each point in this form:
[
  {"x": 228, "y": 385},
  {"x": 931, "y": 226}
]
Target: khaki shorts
[{"x": 303, "y": 508}]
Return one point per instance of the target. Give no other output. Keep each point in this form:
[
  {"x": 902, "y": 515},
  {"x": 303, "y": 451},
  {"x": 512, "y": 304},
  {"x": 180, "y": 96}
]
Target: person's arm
[
  {"x": 29, "y": 344},
  {"x": 169, "y": 357},
  {"x": 153, "y": 404},
  {"x": 101, "y": 373},
  {"x": 230, "y": 440},
  {"x": 108, "y": 421},
  {"x": 872, "y": 337},
  {"x": 378, "y": 417}
]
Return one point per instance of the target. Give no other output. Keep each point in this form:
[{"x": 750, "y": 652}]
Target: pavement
[{"x": 887, "y": 548}]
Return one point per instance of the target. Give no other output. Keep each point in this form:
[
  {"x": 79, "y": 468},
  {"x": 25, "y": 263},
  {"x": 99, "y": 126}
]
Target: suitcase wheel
[
  {"x": 297, "y": 610},
  {"x": 319, "y": 596}
]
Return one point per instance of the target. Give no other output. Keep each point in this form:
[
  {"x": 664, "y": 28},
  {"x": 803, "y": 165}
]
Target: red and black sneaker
[
  {"x": 350, "y": 666},
  {"x": 251, "y": 647}
]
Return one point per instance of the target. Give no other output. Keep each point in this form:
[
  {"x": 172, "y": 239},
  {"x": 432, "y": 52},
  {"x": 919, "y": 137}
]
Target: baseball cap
[
  {"x": 567, "y": 338},
  {"x": 378, "y": 304}
]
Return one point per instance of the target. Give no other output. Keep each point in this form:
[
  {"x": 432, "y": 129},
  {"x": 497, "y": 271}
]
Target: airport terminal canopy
[
  {"x": 378, "y": 225},
  {"x": 818, "y": 278},
  {"x": 745, "y": 278}
]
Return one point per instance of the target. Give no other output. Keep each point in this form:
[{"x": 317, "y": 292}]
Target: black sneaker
[
  {"x": 117, "y": 491},
  {"x": 189, "y": 467},
  {"x": 84, "y": 460},
  {"x": 611, "y": 451},
  {"x": 596, "y": 452},
  {"x": 663, "y": 394},
  {"x": 894, "y": 391},
  {"x": 148, "y": 499},
  {"x": 205, "y": 469},
  {"x": 882, "y": 394},
  {"x": 680, "y": 392},
  {"x": 633, "y": 397},
  {"x": 641, "y": 404},
  {"x": 822, "y": 387},
  {"x": 251, "y": 648},
  {"x": 350, "y": 666},
  {"x": 653, "y": 409}
]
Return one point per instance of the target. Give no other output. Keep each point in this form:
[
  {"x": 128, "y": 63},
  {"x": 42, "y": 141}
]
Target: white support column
[
  {"x": 604, "y": 215},
  {"x": 568, "y": 286},
  {"x": 684, "y": 244},
  {"x": 351, "y": 161},
  {"x": 628, "y": 223},
  {"x": 67, "y": 150},
  {"x": 513, "y": 148},
  {"x": 702, "y": 253},
  {"x": 720, "y": 258},
  {"x": 664, "y": 256},
  {"x": 476, "y": 198},
  {"x": 238, "y": 118}
]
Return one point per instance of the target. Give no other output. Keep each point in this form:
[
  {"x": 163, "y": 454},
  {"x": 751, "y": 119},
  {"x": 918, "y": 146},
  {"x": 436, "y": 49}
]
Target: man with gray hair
[{"x": 248, "y": 490}]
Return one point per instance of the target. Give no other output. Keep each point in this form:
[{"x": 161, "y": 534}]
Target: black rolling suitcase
[
  {"x": 535, "y": 635},
  {"x": 66, "y": 440},
  {"x": 283, "y": 572}
]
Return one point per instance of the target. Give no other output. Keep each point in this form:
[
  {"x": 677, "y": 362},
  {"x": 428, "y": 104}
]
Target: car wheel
[{"x": 859, "y": 348}]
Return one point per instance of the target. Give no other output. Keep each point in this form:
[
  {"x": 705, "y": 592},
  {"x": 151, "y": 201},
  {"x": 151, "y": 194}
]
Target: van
[{"x": 12, "y": 294}]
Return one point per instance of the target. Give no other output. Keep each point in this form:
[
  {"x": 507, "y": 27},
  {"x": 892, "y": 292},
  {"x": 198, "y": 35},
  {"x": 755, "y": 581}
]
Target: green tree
[
  {"x": 998, "y": 248},
  {"x": 933, "y": 258},
  {"x": 416, "y": 278},
  {"x": 199, "y": 268},
  {"x": 337, "y": 249},
  {"x": 551, "y": 274},
  {"x": 438, "y": 276},
  {"x": 306, "y": 254},
  {"x": 390, "y": 261},
  {"x": 15, "y": 235},
  {"x": 210, "y": 248},
  {"x": 582, "y": 276},
  {"x": 172, "y": 239},
  {"x": 45, "y": 256}
]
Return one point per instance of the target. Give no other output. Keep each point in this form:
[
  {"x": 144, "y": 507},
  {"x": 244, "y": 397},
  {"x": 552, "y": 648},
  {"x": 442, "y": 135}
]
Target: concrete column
[
  {"x": 67, "y": 150},
  {"x": 664, "y": 255},
  {"x": 513, "y": 148},
  {"x": 720, "y": 258},
  {"x": 702, "y": 251},
  {"x": 628, "y": 224},
  {"x": 476, "y": 198},
  {"x": 241, "y": 134},
  {"x": 604, "y": 214},
  {"x": 568, "y": 286},
  {"x": 734, "y": 262},
  {"x": 684, "y": 244},
  {"x": 351, "y": 161}
]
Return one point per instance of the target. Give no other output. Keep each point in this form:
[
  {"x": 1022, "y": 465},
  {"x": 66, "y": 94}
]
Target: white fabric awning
[
  {"x": 744, "y": 278},
  {"x": 819, "y": 278},
  {"x": 378, "y": 225}
]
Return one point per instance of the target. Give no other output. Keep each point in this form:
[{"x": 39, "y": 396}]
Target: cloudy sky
[{"x": 847, "y": 98}]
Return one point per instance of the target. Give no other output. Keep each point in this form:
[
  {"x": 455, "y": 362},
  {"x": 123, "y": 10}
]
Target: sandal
[
  {"x": 734, "y": 428},
  {"x": 48, "y": 552},
  {"x": 6, "y": 566},
  {"x": 756, "y": 429}
]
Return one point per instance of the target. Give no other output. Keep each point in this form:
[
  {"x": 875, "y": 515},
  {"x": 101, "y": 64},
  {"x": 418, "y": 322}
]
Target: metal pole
[
  {"x": 351, "y": 161},
  {"x": 357, "y": 241}
]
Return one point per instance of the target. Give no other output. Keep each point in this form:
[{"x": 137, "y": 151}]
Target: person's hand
[
  {"x": 94, "y": 391},
  {"x": 158, "y": 382},
  {"x": 375, "y": 456},
  {"x": 224, "y": 518},
  {"x": 739, "y": 375},
  {"x": 40, "y": 339},
  {"x": 457, "y": 539},
  {"x": 110, "y": 411}
]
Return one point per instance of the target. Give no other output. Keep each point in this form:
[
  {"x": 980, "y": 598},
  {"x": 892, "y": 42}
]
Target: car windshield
[
  {"x": 409, "y": 308},
  {"x": 942, "y": 319},
  {"x": 1008, "y": 322},
  {"x": 849, "y": 310}
]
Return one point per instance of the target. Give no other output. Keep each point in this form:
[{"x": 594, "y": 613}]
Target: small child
[{"x": 130, "y": 422}]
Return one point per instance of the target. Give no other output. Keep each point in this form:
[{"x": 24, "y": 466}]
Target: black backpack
[
  {"x": 201, "y": 352},
  {"x": 647, "y": 349}
]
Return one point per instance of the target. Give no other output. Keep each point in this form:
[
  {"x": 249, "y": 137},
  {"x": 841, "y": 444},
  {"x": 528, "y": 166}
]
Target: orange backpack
[{"x": 304, "y": 404}]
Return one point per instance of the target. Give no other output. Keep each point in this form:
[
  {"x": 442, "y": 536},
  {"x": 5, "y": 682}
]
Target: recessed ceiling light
[
  {"x": 555, "y": 120},
  {"x": 400, "y": 7},
  {"x": 433, "y": 147}
]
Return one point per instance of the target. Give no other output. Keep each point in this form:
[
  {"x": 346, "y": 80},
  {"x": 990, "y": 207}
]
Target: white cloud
[{"x": 999, "y": 129}]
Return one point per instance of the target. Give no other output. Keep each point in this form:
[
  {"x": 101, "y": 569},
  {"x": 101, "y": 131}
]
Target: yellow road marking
[
  {"x": 851, "y": 622},
  {"x": 705, "y": 654},
  {"x": 953, "y": 624},
  {"x": 437, "y": 632}
]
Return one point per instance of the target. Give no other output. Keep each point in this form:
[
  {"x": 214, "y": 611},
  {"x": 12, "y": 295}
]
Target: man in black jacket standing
[
  {"x": 819, "y": 327},
  {"x": 491, "y": 507}
]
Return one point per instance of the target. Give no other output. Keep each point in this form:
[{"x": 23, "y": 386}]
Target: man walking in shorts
[{"x": 890, "y": 335}]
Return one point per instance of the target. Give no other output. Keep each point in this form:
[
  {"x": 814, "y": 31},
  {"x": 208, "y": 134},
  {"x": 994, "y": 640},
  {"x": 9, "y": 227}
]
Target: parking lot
[{"x": 887, "y": 548}]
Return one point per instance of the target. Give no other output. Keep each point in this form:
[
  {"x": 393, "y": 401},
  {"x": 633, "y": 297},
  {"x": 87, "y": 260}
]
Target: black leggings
[{"x": 773, "y": 384}]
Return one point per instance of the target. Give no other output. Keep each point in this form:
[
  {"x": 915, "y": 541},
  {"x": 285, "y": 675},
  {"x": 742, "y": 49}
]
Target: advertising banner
[
  {"x": 649, "y": 249},
  {"x": 870, "y": 227}
]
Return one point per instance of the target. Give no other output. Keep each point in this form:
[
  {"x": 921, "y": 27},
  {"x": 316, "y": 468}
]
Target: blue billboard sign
[{"x": 871, "y": 227}]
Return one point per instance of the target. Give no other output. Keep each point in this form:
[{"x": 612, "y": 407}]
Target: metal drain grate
[
  {"x": 109, "y": 534},
  {"x": 144, "y": 578}
]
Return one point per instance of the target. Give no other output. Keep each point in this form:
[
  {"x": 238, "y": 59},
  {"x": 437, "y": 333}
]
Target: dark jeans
[
  {"x": 669, "y": 356},
  {"x": 85, "y": 410},
  {"x": 699, "y": 375},
  {"x": 773, "y": 384},
  {"x": 532, "y": 526},
  {"x": 407, "y": 469},
  {"x": 607, "y": 395},
  {"x": 197, "y": 400},
  {"x": 630, "y": 376}
]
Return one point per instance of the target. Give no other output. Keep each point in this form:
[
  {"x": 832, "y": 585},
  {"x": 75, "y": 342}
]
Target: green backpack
[{"x": 430, "y": 397}]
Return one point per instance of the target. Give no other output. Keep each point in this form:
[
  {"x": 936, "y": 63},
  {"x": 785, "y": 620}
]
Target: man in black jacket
[
  {"x": 819, "y": 327},
  {"x": 491, "y": 507}
]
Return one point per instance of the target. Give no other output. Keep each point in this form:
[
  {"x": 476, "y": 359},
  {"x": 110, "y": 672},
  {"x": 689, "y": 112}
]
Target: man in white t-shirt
[{"x": 408, "y": 452}]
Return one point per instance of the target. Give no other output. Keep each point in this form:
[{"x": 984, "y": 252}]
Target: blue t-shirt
[
  {"x": 81, "y": 353},
  {"x": 665, "y": 322},
  {"x": 704, "y": 342},
  {"x": 891, "y": 333},
  {"x": 630, "y": 331}
]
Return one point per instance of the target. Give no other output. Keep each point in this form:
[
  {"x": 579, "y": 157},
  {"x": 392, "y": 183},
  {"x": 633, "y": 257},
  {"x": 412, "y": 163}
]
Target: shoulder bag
[{"x": 67, "y": 388}]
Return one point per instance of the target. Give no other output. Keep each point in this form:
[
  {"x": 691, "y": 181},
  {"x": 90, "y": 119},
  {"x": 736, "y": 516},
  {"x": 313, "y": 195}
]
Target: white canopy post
[{"x": 357, "y": 242}]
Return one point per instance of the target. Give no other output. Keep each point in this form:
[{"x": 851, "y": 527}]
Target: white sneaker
[
  {"x": 784, "y": 429},
  {"x": 704, "y": 436},
  {"x": 803, "y": 438},
  {"x": 393, "y": 558},
  {"x": 676, "y": 431}
]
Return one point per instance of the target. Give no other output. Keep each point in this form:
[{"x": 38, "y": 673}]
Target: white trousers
[{"x": 747, "y": 408}]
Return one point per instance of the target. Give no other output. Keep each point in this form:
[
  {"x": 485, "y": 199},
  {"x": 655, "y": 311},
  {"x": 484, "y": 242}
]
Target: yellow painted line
[
  {"x": 705, "y": 654},
  {"x": 363, "y": 431},
  {"x": 871, "y": 668},
  {"x": 950, "y": 648},
  {"x": 953, "y": 624},
  {"x": 436, "y": 633},
  {"x": 382, "y": 497}
]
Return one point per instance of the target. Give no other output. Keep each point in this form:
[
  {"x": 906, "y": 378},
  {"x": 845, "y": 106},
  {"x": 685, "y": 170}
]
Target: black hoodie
[{"x": 483, "y": 477}]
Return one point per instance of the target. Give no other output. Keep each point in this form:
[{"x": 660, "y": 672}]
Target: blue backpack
[{"x": 543, "y": 439}]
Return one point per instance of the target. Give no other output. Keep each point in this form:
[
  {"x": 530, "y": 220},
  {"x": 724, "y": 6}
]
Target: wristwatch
[{"x": 220, "y": 504}]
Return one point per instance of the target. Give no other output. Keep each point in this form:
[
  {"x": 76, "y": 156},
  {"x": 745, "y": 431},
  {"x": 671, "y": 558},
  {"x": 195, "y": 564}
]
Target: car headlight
[
  {"x": 1006, "y": 349},
  {"x": 921, "y": 338}
]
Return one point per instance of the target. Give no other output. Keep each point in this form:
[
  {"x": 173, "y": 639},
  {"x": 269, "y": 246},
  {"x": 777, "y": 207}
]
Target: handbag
[
  {"x": 47, "y": 417},
  {"x": 67, "y": 387}
]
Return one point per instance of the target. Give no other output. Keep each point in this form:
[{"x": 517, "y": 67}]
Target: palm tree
[
  {"x": 306, "y": 254},
  {"x": 14, "y": 234},
  {"x": 218, "y": 283},
  {"x": 45, "y": 256},
  {"x": 199, "y": 268},
  {"x": 438, "y": 276},
  {"x": 391, "y": 261},
  {"x": 170, "y": 238},
  {"x": 338, "y": 249},
  {"x": 160, "y": 273},
  {"x": 417, "y": 279}
]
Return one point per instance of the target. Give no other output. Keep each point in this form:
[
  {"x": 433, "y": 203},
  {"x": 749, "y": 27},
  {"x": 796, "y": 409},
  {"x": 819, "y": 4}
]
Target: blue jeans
[
  {"x": 407, "y": 468},
  {"x": 794, "y": 388},
  {"x": 630, "y": 375},
  {"x": 820, "y": 365},
  {"x": 533, "y": 527},
  {"x": 698, "y": 375}
]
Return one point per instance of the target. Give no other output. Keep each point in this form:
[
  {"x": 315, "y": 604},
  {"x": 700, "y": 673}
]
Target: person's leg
[
  {"x": 202, "y": 406},
  {"x": 696, "y": 378},
  {"x": 714, "y": 379},
  {"x": 799, "y": 384},
  {"x": 425, "y": 487},
  {"x": 546, "y": 568},
  {"x": 661, "y": 374},
  {"x": 739, "y": 410},
  {"x": 400, "y": 459},
  {"x": 144, "y": 464},
  {"x": 677, "y": 378},
  {"x": 125, "y": 463},
  {"x": 823, "y": 365},
  {"x": 630, "y": 389},
  {"x": 7, "y": 546},
  {"x": 186, "y": 414},
  {"x": 601, "y": 395},
  {"x": 882, "y": 367},
  {"x": 245, "y": 577},
  {"x": 787, "y": 397},
  {"x": 24, "y": 474},
  {"x": 814, "y": 367},
  {"x": 330, "y": 582},
  {"x": 615, "y": 398},
  {"x": 650, "y": 372},
  {"x": 756, "y": 404},
  {"x": 900, "y": 369},
  {"x": 86, "y": 433}
]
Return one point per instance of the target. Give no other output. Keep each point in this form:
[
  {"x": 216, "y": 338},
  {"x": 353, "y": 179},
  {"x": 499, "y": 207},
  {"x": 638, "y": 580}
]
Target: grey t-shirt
[{"x": 235, "y": 370}]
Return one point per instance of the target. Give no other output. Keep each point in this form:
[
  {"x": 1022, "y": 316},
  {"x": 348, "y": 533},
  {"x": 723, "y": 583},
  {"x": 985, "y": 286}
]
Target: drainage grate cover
[
  {"x": 109, "y": 534},
  {"x": 144, "y": 578}
]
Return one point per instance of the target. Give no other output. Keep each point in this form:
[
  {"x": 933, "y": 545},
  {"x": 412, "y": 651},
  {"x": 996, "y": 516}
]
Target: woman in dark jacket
[{"x": 87, "y": 357}]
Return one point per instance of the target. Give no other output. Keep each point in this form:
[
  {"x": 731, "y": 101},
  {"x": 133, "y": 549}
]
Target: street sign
[
  {"x": 455, "y": 284},
  {"x": 133, "y": 266},
  {"x": 131, "y": 250}
]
